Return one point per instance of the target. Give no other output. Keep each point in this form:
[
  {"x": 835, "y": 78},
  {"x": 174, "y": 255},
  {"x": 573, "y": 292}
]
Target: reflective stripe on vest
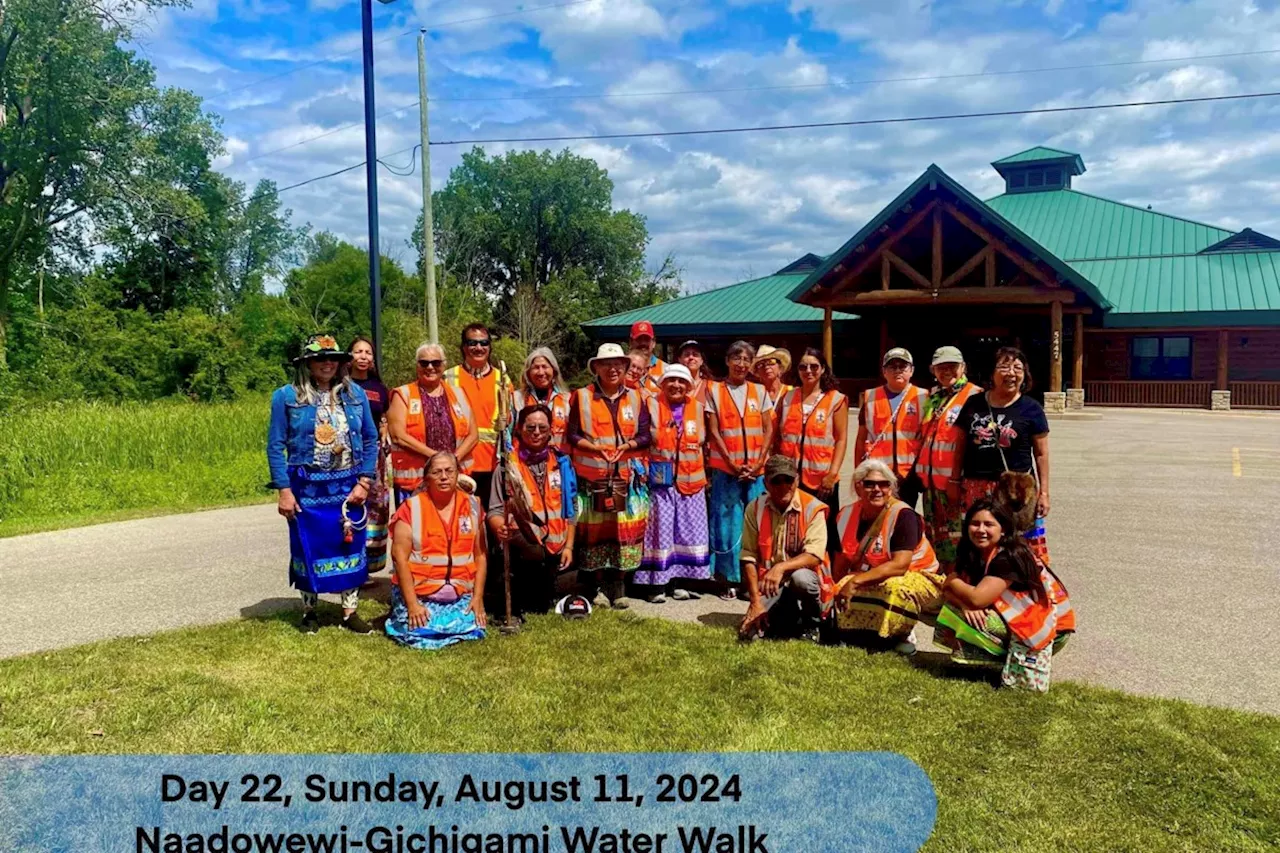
[
  {"x": 1037, "y": 622},
  {"x": 559, "y": 406},
  {"x": 597, "y": 426},
  {"x": 443, "y": 555},
  {"x": 936, "y": 465},
  {"x": 811, "y": 441},
  {"x": 546, "y": 502},
  {"x": 485, "y": 453},
  {"x": 743, "y": 434},
  {"x": 679, "y": 443},
  {"x": 408, "y": 466},
  {"x": 810, "y": 508},
  {"x": 923, "y": 559},
  {"x": 891, "y": 437}
]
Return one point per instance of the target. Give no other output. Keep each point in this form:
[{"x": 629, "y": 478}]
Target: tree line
[{"x": 131, "y": 268}]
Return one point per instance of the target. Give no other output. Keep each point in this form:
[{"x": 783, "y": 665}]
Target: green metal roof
[
  {"x": 1188, "y": 284},
  {"x": 1038, "y": 155},
  {"x": 758, "y": 306},
  {"x": 1077, "y": 226}
]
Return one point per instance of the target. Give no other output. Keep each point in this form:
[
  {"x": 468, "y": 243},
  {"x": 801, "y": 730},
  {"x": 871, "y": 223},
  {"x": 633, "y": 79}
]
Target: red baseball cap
[{"x": 642, "y": 329}]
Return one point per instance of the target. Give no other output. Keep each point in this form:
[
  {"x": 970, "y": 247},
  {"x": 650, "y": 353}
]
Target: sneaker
[
  {"x": 356, "y": 625},
  {"x": 906, "y": 648},
  {"x": 619, "y": 604},
  {"x": 310, "y": 623},
  {"x": 600, "y": 600},
  {"x": 682, "y": 595},
  {"x": 658, "y": 598},
  {"x": 811, "y": 635},
  {"x": 730, "y": 594}
]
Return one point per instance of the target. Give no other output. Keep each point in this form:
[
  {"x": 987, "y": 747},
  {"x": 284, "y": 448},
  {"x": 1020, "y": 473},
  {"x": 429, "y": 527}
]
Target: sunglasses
[
  {"x": 536, "y": 429},
  {"x": 428, "y": 363},
  {"x": 325, "y": 359},
  {"x": 808, "y": 368},
  {"x": 877, "y": 484},
  {"x": 478, "y": 343}
]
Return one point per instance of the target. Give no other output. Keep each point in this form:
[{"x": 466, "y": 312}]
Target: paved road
[{"x": 1163, "y": 528}]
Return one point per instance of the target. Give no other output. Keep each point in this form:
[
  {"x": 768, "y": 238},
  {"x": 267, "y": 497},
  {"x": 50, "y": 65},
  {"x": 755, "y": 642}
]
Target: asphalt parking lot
[{"x": 1163, "y": 527}]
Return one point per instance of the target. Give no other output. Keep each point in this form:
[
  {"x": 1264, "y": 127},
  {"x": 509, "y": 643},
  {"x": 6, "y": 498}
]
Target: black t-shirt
[
  {"x": 1015, "y": 425},
  {"x": 379, "y": 396},
  {"x": 1006, "y": 568},
  {"x": 906, "y": 532}
]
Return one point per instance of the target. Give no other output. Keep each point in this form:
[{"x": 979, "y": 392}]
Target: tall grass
[{"x": 72, "y": 463}]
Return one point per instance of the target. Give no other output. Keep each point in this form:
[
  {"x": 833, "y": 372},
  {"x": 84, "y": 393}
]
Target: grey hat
[
  {"x": 897, "y": 354},
  {"x": 780, "y": 466},
  {"x": 947, "y": 355}
]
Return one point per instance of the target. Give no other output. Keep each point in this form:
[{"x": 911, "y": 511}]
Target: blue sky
[{"x": 736, "y": 206}]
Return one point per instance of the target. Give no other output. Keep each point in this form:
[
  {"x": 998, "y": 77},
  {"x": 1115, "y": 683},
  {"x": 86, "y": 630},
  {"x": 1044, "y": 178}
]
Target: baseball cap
[
  {"x": 780, "y": 466},
  {"x": 640, "y": 329},
  {"x": 947, "y": 355},
  {"x": 899, "y": 354},
  {"x": 573, "y": 607},
  {"x": 690, "y": 343}
]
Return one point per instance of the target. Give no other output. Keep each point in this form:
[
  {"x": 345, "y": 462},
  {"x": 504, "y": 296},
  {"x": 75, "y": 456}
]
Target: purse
[
  {"x": 1026, "y": 669},
  {"x": 609, "y": 494}
]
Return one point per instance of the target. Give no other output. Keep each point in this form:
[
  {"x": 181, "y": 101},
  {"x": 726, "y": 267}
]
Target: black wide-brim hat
[{"x": 322, "y": 346}]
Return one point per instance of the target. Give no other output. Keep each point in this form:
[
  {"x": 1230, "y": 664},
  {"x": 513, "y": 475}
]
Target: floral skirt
[
  {"x": 973, "y": 490},
  {"x": 447, "y": 624},
  {"x": 611, "y": 540},
  {"x": 891, "y": 608},
  {"x": 319, "y": 558},
  {"x": 942, "y": 522},
  {"x": 379, "y": 504}
]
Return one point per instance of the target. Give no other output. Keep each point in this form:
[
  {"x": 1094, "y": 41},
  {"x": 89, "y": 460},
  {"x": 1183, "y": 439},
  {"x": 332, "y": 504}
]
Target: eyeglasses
[
  {"x": 781, "y": 480},
  {"x": 477, "y": 343},
  {"x": 431, "y": 363},
  {"x": 738, "y": 359},
  {"x": 808, "y": 368},
  {"x": 897, "y": 366},
  {"x": 1010, "y": 368},
  {"x": 884, "y": 485},
  {"x": 536, "y": 429}
]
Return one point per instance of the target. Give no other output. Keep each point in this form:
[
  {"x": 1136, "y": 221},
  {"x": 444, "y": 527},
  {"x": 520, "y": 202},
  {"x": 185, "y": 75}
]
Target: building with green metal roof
[{"x": 1114, "y": 304}]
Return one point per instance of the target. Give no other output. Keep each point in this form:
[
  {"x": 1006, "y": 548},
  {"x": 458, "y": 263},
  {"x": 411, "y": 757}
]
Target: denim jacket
[{"x": 291, "y": 434}]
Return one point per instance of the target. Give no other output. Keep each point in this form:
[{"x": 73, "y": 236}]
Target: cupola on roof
[{"x": 1039, "y": 169}]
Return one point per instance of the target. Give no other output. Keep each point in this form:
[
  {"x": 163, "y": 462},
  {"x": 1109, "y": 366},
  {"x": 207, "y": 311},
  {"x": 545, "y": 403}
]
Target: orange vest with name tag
[
  {"x": 877, "y": 554},
  {"x": 444, "y": 554},
  {"x": 679, "y": 443},
  {"x": 742, "y": 432},
  {"x": 546, "y": 502},
  {"x": 936, "y": 464},
  {"x": 408, "y": 467},
  {"x": 598, "y": 427},
  {"x": 810, "y": 441},
  {"x": 558, "y": 403},
  {"x": 811, "y": 510},
  {"x": 894, "y": 440}
]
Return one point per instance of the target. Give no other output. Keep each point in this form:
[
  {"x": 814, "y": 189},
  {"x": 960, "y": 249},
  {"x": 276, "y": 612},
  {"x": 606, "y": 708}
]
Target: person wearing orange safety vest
[
  {"x": 889, "y": 420},
  {"x": 740, "y": 427},
  {"x": 426, "y": 417},
  {"x": 675, "y": 539},
  {"x": 484, "y": 387},
  {"x": 936, "y": 467},
  {"x": 1003, "y": 606},
  {"x": 609, "y": 435},
  {"x": 769, "y": 367},
  {"x": 813, "y": 431},
  {"x": 532, "y": 510},
  {"x": 784, "y": 558},
  {"x": 638, "y": 377},
  {"x": 644, "y": 341},
  {"x": 438, "y": 549},
  {"x": 541, "y": 383},
  {"x": 887, "y": 575}
]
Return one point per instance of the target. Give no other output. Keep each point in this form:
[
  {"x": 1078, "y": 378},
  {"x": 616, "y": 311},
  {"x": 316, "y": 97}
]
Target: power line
[
  {"x": 222, "y": 96},
  {"x": 864, "y": 122},
  {"x": 851, "y": 83}
]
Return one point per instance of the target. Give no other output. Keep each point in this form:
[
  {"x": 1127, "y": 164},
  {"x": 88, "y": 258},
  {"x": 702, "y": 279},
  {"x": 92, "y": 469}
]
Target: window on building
[{"x": 1161, "y": 357}]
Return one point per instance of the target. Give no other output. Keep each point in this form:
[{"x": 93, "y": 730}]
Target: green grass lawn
[{"x": 1078, "y": 769}]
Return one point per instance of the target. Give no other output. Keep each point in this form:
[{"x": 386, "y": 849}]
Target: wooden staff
[{"x": 509, "y": 626}]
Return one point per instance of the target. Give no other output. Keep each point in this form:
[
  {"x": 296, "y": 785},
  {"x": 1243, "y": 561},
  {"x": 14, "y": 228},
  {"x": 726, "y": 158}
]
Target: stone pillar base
[
  {"x": 1220, "y": 401},
  {"x": 1075, "y": 399},
  {"x": 1055, "y": 402}
]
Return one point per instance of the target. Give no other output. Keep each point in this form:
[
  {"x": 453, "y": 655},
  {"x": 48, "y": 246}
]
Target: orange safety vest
[
  {"x": 559, "y": 406},
  {"x": 1037, "y": 622},
  {"x": 811, "y": 510},
  {"x": 877, "y": 554},
  {"x": 483, "y": 396},
  {"x": 894, "y": 441},
  {"x": 653, "y": 379},
  {"x": 598, "y": 427},
  {"x": 743, "y": 434},
  {"x": 679, "y": 443},
  {"x": 545, "y": 501},
  {"x": 936, "y": 464},
  {"x": 811, "y": 441},
  {"x": 408, "y": 468},
  {"x": 444, "y": 555}
]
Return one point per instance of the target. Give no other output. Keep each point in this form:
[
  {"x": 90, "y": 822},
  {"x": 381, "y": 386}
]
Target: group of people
[{"x": 657, "y": 480}]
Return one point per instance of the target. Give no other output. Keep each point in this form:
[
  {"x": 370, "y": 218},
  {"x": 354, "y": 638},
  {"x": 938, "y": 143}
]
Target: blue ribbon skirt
[{"x": 319, "y": 560}]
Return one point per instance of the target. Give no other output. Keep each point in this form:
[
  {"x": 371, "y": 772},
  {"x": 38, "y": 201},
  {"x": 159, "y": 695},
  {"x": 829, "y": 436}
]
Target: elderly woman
[
  {"x": 322, "y": 446},
  {"x": 609, "y": 433},
  {"x": 637, "y": 377},
  {"x": 690, "y": 355},
  {"x": 541, "y": 384},
  {"x": 675, "y": 540},
  {"x": 438, "y": 548},
  {"x": 1004, "y": 430},
  {"x": 813, "y": 429},
  {"x": 427, "y": 417},
  {"x": 886, "y": 572},
  {"x": 740, "y": 426},
  {"x": 533, "y": 508},
  {"x": 769, "y": 367},
  {"x": 1003, "y": 608}
]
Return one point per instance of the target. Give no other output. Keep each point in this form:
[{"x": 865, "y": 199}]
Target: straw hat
[{"x": 767, "y": 352}]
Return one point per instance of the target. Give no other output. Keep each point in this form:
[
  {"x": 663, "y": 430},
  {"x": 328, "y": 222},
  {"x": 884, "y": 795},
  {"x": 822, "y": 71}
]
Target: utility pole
[
  {"x": 371, "y": 180},
  {"x": 428, "y": 234}
]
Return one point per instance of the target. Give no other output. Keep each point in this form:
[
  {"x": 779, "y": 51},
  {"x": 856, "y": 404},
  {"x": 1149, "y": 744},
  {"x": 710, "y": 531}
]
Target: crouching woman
[
  {"x": 438, "y": 549},
  {"x": 1003, "y": 607}
]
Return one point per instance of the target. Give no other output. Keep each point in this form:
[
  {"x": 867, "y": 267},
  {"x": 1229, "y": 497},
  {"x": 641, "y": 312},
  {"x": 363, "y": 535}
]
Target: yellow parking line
[{"x": 1235, "y": 461}]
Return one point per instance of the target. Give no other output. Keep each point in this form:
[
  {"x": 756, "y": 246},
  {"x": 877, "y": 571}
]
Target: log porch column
[
  {"x": 826, "y": 335},
  {"x": 1220, "y": 383},
  {"x": 1077, "y": 354},
  {"x": 1055, "y": 346}
]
